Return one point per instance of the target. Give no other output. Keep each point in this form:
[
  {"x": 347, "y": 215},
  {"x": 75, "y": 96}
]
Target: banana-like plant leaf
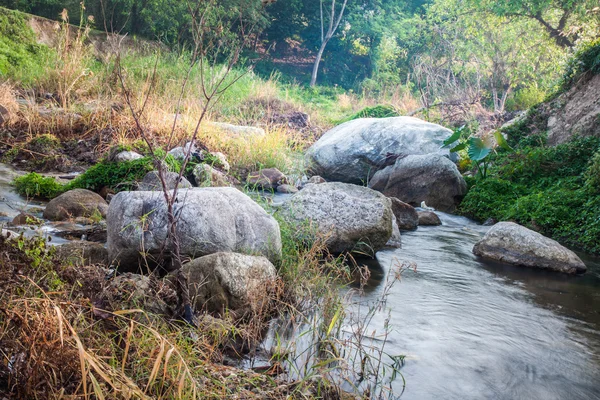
[
  {"x": 458, "y": 147},
  {"x": 478, "y": 149},
  {"x": 455, "y": 136},
  {"x": 501, "y": 141}
]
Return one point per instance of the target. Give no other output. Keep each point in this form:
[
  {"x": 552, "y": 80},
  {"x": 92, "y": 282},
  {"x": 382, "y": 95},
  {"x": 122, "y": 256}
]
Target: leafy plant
[
  {"x": 115, "y": 175},
  {"x": 36, "y": 185}
]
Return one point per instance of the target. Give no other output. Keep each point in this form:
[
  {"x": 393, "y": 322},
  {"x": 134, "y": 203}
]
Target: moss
[{"x": 45, "y": 143}]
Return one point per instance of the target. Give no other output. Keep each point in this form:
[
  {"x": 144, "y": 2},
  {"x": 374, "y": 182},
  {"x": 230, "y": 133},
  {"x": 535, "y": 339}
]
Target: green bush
[
  {"x": 552, "y": 190},
  {"x": 35, "y": 185},
  {"x": 117, "y": 176},
  {"x": 585, "y": 60},
  {"x": 378, "y": 111}
]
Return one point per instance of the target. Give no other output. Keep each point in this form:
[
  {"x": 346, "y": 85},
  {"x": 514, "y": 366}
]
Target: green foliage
[
  {"x": 585, "y": 60},
  {"x": 378, "y": 111},
  {"x": 35, "y": 185},
  {"x": 44, "y": 144},
  {"x": 117, "y": 176},
  {"x": 21, "y": 57},
  {"x": 553, "y": 190}
]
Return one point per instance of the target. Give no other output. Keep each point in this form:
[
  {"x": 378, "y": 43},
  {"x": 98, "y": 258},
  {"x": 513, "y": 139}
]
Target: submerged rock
[
  {"x": 416, "y": 178},
  {"x": 428, "y": 218},
  {"x": 230, "y": 281},
  {"x": 350, "y": 217},
  {"x": 76, "y": 203},
  {"x": 353, "y": 151},
  {"x": 514, "y": 244},
  {"x": 210, "y": 220},
  {"x": 151, "y": 182}
]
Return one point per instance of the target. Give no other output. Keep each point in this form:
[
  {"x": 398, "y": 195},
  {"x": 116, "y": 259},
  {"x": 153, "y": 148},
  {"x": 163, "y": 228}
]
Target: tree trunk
[{"x": 315, "y": 71}]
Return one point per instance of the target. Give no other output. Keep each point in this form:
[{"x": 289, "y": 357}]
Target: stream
[{"x": 468, "y": 328}]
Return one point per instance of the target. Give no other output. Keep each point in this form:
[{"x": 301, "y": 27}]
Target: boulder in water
[
  {"x": 75, "y": 203},
  {"x": 428, "y": 218},
  {"x": 350, "y": 217},
  {"x": 416, "y": 178},
  {"x": 514, "y": 244},
  {"x": 210, "y": 220},
  {"x": 353, "y": 151},
  {"x": 406, "y": 215}
]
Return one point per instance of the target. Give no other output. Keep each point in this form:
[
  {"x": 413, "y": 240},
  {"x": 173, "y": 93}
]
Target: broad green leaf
[
  {"x": 458, "y": 147},
  {"x": 455, "y": 136},
  {"x": 501, "y": 141},
  {"x": 478, "y": 149}
]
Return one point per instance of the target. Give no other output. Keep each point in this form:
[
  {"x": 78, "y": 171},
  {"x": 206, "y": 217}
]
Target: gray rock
[
  {"x": 266, "y": 179},
  {"x": 428, "y": 218},
  {"x": 406, "y": 215},
  {"x": 151, "y": 182},
  {"x": 316, "y": 179},
  {"x": 179, "y": 152},
  {"x": 396, "y": 238},
  {"x": 210, "y": 220},
  {"x": 125, "y": 156},
  {"x": 25, "y": 219},
  {"x": 75, "y": 203},
  {"x": 229, "y": 281},
  {"x": 431, "y": 178},
  {"x": 206, "y": 176},
  {"x": 222, "y": 161},
  {"x": 350, "y": 217},
  {"x": 514, "y": 244},
  {"x": 352, "y": 152},
  {"x": 237, "y": 130},
  {"x": 82, "y": 253},
  {"x": 287, "y": 189}
]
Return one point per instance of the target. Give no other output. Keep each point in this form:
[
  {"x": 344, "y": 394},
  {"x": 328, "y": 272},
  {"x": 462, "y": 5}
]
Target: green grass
[{"x": 22, "y": 59}]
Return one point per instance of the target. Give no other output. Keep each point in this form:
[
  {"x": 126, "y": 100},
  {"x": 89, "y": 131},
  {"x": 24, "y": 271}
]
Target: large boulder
[
  {"x": 512, "y": 243},
  {"x": 352, "y": 152},
  {"x": 432, "y": 178},
  {"x": 229, "y": 281},
  {"x": 75, "y": 203},
  {"x": 407, "y": 218},
  {"x": 210, "y": 220},
  {"x": 350, "y": 217},
  {"x": 151, "y": 182}
]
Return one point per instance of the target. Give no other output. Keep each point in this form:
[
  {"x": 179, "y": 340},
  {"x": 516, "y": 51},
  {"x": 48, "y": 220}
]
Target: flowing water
[{"x": 478, "y": 330}]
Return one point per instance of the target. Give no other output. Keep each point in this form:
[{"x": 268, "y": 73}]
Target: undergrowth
[{"x": 553, "y": 190}]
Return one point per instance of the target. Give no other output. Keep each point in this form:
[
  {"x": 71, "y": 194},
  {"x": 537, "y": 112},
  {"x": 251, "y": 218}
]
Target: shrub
[
  {"x": 115, "y": 175},
  {"x": 592, "y": 174},
  {"x": 35, "y": 185},
  {"x": 378, "y": 111}
]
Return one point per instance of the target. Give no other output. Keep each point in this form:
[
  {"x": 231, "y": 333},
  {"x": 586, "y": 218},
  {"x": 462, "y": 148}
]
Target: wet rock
[
  {"x": 428, "y": 218},
  {"x": 9, "y": 234},
  {"x": 210, "y": 220},
  {"x": 353, "y": 151},
  {"x": 514, "y": 244},
  {"x": 266, "y": 179},
  {"x": 82, "y": 253},
  {"x": 125, "y": 156},
  {"x": 75, "y": 203},
  {"x": 490, "y": 222},
  {"x": 350, "y": 217},
  {"x": 230, "y": 281},
  {"x": 431, "y": 178},
  {"x": 205, "y": 176},
  {"x": 25, "y": 219},
  {"x": 396, "y": 238},
  {"x": 151, "y": 182},
  {"x": 287, "y": 189},
  {"x": 407, "y": 217}
]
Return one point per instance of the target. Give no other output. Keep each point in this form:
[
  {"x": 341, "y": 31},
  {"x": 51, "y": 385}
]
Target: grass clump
[
  {"x": 553, "y": 190},
  {"x": 116, "y": 176},
  {"x": 378, "y": 111},
  {"x": 34, "y": 185}
]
